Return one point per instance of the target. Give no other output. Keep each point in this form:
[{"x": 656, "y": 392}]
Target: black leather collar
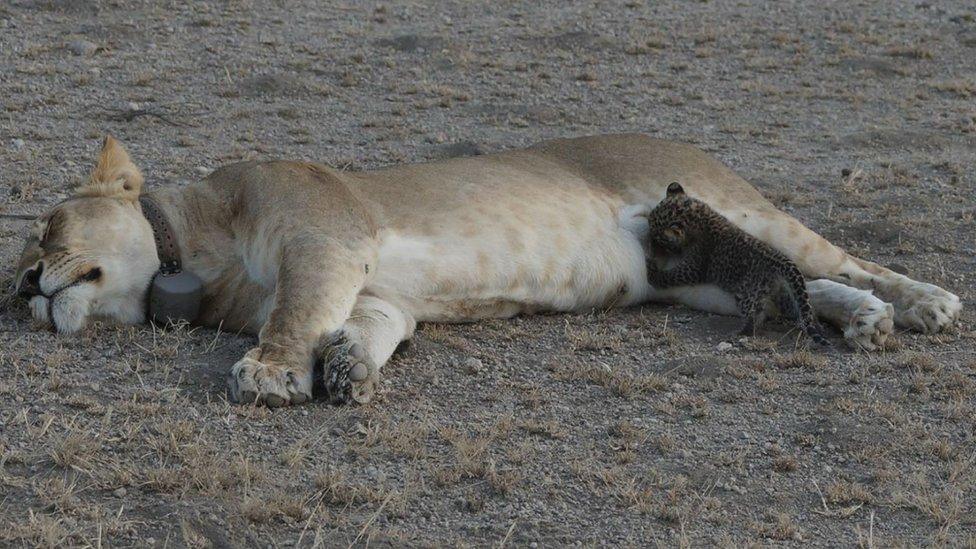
[{"x": 166, "y": 244}]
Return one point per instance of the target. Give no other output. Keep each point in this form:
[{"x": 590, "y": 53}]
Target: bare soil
[{"x": 612, "y": 428}]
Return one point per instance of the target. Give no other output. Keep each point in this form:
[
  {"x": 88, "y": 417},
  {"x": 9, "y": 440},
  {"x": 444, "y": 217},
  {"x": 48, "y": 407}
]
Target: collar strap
[{"x": 166, "y": 245}]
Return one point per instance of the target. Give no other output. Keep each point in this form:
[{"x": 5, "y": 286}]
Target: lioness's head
[{"x": 93, "y": 254}]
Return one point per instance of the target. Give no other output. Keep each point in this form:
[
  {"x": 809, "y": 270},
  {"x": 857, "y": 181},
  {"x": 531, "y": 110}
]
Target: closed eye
[{"x": 92, "y": 275}]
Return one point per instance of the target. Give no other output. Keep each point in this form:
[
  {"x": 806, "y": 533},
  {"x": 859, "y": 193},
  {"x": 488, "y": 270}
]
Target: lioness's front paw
[
  {"x": 251, "y": 380},
  {"x": 348, "y": 374},
  {"x": 871, "y": 324},
  {"x": 927, "y": 308}
]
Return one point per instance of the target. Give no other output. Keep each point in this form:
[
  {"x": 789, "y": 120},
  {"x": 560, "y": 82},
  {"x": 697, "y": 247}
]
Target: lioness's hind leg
[
  {"x": 351, "y": 359},
  {"x": 916, "y": 305},
  {"x": 865, "y": 320}
]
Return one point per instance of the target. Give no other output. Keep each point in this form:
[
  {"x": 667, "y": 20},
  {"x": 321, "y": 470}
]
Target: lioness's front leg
[{"x": 317, "y": 284}]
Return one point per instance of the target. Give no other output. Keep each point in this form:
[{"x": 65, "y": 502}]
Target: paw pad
[{"x": 347, "y": 373}]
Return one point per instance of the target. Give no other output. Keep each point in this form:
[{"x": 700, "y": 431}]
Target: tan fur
[
  {"x": 114, "y": 176},
  {"x": 294, "y": 251}
]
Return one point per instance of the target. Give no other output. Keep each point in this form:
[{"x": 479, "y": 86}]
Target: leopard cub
[{"x": 690, "y": 244}]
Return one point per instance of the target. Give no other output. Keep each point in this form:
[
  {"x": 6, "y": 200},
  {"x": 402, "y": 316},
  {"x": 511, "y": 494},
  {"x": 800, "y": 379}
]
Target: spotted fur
[{"x": 691, "y": 244}]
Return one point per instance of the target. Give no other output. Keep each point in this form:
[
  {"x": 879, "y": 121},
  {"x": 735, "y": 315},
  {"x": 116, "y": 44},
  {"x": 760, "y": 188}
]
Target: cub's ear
[
  {"x": 115, "y": 176},
  {"x": 675, "y": 189}
]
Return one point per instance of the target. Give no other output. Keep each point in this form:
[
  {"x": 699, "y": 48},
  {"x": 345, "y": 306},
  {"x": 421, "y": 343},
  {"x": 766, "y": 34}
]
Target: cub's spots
[{"x": 691, "y": 244}]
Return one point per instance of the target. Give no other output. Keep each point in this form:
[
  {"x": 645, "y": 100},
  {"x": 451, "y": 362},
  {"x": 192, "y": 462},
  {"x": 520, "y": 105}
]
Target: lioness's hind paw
[
  {"x": 870, "y": 325},
  {"x": 932, "y": 309},
  {"x": 348, "y": 374}
]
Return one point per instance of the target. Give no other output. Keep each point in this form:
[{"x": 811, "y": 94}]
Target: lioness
[{"x": 341, "y": 265}]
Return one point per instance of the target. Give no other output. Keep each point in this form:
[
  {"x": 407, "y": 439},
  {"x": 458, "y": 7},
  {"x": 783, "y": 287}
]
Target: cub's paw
[
  {"x": 251, "y": 380},
  {"x": 927, "y": 308},
  {"x": 870, "y": 325},
  {"x": 348, "y": 374}
]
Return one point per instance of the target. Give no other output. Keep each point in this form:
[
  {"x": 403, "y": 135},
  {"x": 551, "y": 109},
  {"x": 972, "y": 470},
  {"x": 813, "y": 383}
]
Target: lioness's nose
[{"x": 30, "y": 285}]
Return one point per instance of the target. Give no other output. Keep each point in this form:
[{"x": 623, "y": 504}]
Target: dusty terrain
[{"x": 612, "y": 428}]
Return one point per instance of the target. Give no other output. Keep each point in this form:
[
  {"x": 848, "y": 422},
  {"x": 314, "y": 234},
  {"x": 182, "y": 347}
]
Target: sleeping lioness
[{"x": 342, "y": 265}]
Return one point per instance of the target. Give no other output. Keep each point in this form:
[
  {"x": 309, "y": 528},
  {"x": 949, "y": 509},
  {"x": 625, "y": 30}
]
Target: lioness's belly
[{"x": 569, "y": 254}]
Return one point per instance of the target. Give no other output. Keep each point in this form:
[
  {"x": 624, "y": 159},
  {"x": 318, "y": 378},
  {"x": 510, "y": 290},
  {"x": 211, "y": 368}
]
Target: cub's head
[
  {"x": 672, "y": 223},
  {"x": 92, "y": 255}
]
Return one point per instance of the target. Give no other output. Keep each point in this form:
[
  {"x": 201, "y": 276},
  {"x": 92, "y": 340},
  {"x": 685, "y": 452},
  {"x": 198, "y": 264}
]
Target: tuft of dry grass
[
  {"x": 958, "y": 87},
  {"x": 844, "y": 492},
  {"x": 586, "y": 338},
  {"x": 74, "y": 450},
  {"x": 785, "y": 464},
  {"x": 779, "y": 526},
  {"x": 800, "y": 359},
  {"x": 619, "y": 382}
]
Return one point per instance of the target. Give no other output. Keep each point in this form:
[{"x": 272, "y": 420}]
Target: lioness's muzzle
[{"x": 30, "y": 283}]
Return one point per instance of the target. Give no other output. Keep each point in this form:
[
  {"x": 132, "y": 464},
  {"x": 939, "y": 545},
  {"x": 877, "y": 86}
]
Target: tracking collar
[{"x": 174, "y": 294}]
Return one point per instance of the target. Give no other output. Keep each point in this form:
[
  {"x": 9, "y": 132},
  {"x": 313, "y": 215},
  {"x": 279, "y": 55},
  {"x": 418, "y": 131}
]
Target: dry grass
[
  {"x": 599, "y": 428},
  {"x": 785, "y": 464},
  {"x": 779, "y": 526},
  {"x": 617, "y": 382},
  {"x": 960, "y": 88},
  {"x": 843, "y": 492}
]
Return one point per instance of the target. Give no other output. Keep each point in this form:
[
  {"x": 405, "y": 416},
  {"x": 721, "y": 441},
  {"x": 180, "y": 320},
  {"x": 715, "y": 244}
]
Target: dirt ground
[{"x": 613, "y": 428}]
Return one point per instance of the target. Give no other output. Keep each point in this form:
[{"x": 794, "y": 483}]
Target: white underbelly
[
  {"x": 514, "y": 269},
  {"x": 703, "y": 297}
]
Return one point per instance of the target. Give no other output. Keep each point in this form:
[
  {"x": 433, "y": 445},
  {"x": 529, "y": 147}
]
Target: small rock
[
  {"x": 120, "y": 492},
  {"x": 724, "y": 346},
  {"x": 472, "y": 365},
  {"x": 202, "y": 170},
  {"x": 18, "y": 144},
  {"x": 899, "y": 268},
  {"x": 458, "y": 149},
  {"x": 82, "y": 47}
]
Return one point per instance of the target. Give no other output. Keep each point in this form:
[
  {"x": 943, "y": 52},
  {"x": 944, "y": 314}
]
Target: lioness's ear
[
  {"x": 675, "y": 189},
  {"x": 115, "y": 176}
]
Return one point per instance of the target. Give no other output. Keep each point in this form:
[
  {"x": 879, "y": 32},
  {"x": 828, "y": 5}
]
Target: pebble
[
  {"x": 82, "y": 47},
  {"x": 724, "y": 346},
  {"x": 18, "y": 144},
  {"x": 120, "y": 492},
  {"x": 472, "y": 365},
  {"x": 202, "y": 170}
]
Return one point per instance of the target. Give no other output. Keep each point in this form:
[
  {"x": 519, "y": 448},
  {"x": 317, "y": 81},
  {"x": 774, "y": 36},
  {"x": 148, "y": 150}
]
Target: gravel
[{"x": 602, "y": 429}]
